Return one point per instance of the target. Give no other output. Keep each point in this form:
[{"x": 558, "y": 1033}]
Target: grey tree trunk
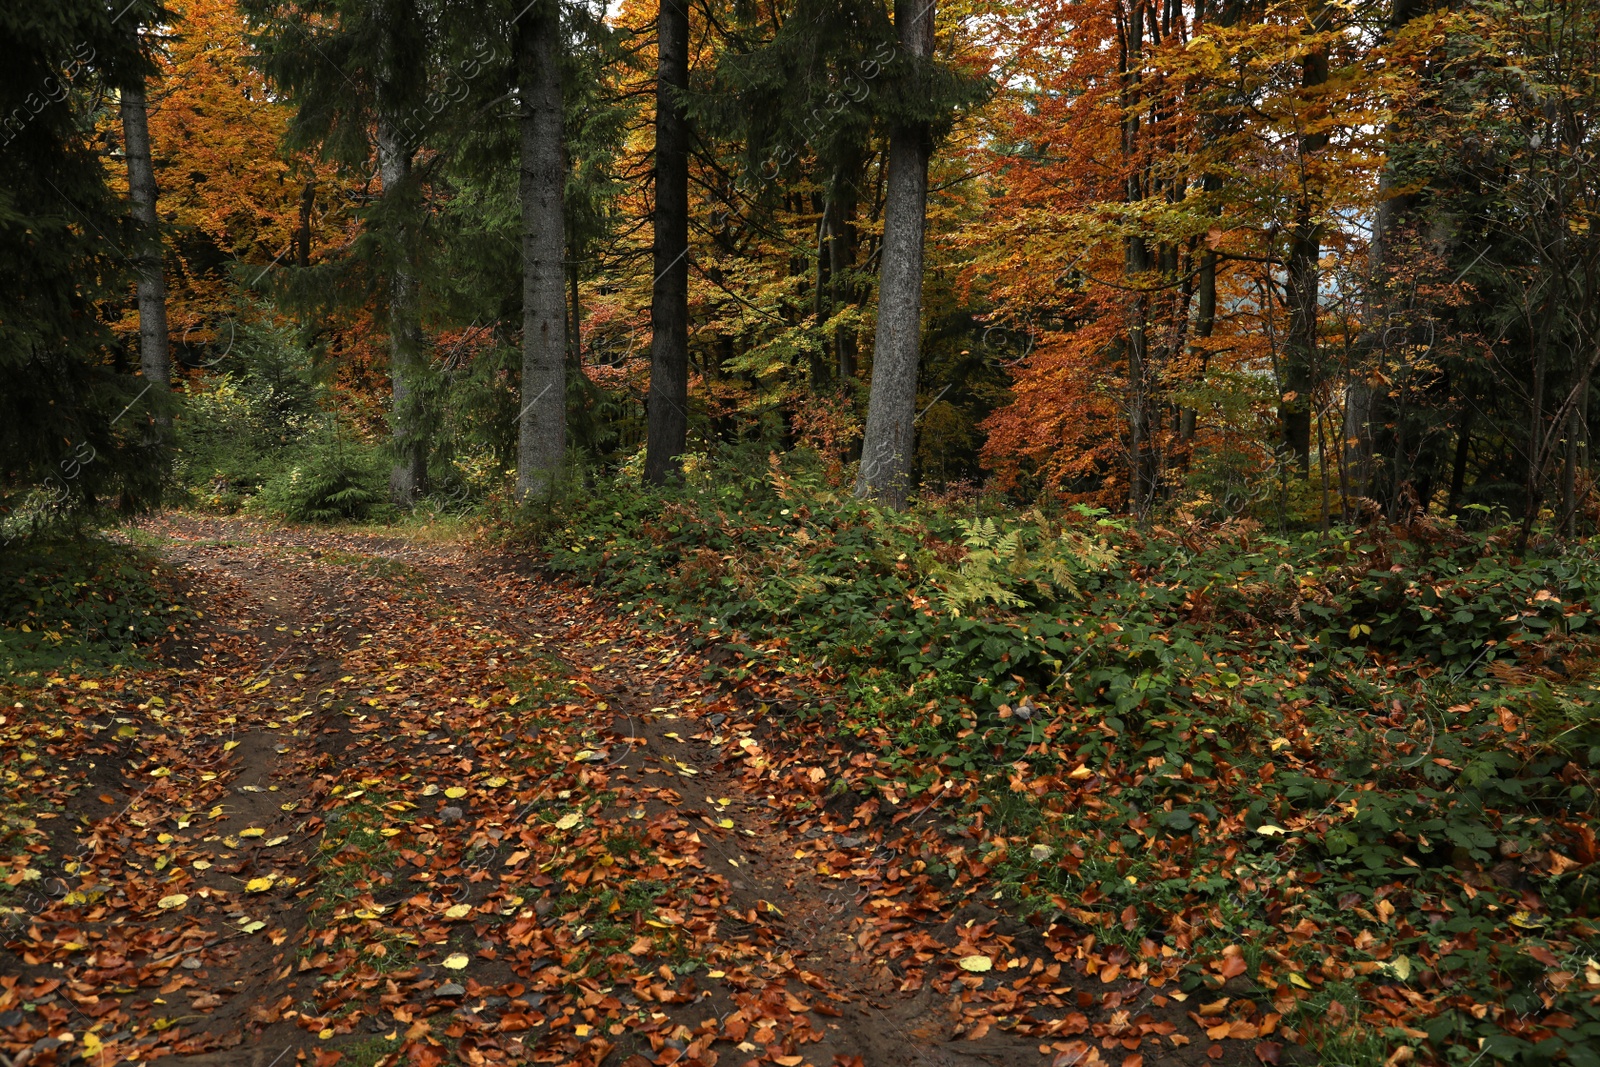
[
  {"x": 668, "y": 407},
  {"x": 886, "y": 448},
  {"x": 1304, "y": 279},
  {"x": 408, "y": 480},
  {"x": 542, "y": 424},
  {"x": 155, "y": 359}
]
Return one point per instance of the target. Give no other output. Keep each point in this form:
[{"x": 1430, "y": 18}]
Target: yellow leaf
[
  {"x": 1079, "y": 773},
  {"x": 201, "y": 865},
  {"x": 161, "y": 772},
  {"x": 325, "y": 1033},
  {"x": 976, "y": 964},
  {"x": 258, "y": 885},
  {"x": 389, "y": 831},
  {"x": 458, "y": 911},
  {"x": 253, "y": 831},
  {"x": 176, "y": 900},
  {"x": 726, "y": 824},
  {"x": 430, "y": 790},
  {"x": 568, "y": 821},
  {"x": 229, "y": 746},
  {"x": 496, "y": 782},
  {"x": 1267, "y": 829},
  {"x": 1295, "y": 978},
  {"x": 456, "y": 962},
  {"x": 455, "y": 792},
  {"x": 1525, "y": 920},
  {"x": 280, "y": 839}
]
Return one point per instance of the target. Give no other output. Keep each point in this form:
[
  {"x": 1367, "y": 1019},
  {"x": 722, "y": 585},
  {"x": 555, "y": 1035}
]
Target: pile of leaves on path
[{"x": 1356, "y": 771}]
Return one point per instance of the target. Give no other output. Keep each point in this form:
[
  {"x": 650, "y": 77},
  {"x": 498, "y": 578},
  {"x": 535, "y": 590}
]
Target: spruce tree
[{"x": 75, "y": 422}]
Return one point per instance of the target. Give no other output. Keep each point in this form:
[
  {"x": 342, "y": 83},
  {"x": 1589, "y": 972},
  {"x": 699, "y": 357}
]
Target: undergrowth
[
  {"x": 82, "y": 603},
  {"x": 1363, "y": 764}
]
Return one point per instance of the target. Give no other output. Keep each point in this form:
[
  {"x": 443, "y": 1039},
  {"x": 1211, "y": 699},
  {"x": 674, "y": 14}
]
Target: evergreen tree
[
  {"x": 74, "y": 420},
  {"x": 360, "y": 76}
]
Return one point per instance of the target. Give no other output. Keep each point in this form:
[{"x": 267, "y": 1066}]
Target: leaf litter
[{"x": 485, "y": 848}]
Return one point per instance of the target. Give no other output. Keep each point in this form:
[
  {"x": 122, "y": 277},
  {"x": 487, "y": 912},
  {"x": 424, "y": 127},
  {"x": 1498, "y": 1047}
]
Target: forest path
[{"x": 403, "y": 802}]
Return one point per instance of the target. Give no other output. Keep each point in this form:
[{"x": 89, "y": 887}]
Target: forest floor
[{"x": 395, "y": 800}]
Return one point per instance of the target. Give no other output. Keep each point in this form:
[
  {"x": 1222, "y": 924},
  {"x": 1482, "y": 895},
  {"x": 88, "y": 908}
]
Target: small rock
[
  {"x": 191, "y": 964},
  {"x": 451, "y": 814},
  {"x": 847, "y": 842},
  {"x": 716, "y": 720},
  {"x": 9, "y": 1019},
  {"x": 542, "y": 907},
  {"x": 495, "y": 1002},
  {"x": 450, "y": 989}
]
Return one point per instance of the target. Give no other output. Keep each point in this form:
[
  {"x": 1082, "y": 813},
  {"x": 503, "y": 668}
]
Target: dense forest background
[{"x": 1309, "y": 263}]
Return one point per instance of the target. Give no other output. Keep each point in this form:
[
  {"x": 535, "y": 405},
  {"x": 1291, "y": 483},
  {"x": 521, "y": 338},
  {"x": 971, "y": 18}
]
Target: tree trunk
[
  {"x": 155, "y": 359},
  {"x": 1304, "y": 277},
  {"x": 542, "y": 423},
  {"x": 842, "y": 260},
  {"x": 1577, "y": 456},
  {"x": 302, "y": 234},
  {"x": 408, "y": 479},
  {"x": 668, "y": 409},
  {"x": 886, "y": 448},
  {"x": 1136, "y": 263},
  {"x": 1204, "y": 326},
  {"x": 1458, "y": 469}
]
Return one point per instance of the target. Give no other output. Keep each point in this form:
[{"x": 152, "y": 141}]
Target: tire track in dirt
[{"x": 479, "y": 816}]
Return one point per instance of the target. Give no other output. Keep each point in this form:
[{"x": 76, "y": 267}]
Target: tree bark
[
  {"x": 1304, "y": 276},
  {"x": 408, "y": 479},
  {"x": 842, "y": 241},
  {"x": 886, "y": 448},
  {"x": 155, "y": 359},
  {"x": 302, "y": 234},
  {"x": 542, "y": 424},
  {"x": 1136, "y": 263},
  {"x": 668, "y": 407},
  {"x": 1458, "y": 469}
]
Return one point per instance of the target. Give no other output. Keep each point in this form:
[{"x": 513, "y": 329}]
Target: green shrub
[
  {"x": 80, "y": 602},
  {"x": 240, "y": 425},
  {"x": 337, "y": 480},
  {"x": 1375, "y": 717}
]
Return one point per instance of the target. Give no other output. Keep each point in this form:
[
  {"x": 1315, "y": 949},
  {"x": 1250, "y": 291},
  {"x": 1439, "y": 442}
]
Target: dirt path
[{"x": 393, "y": 802}]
